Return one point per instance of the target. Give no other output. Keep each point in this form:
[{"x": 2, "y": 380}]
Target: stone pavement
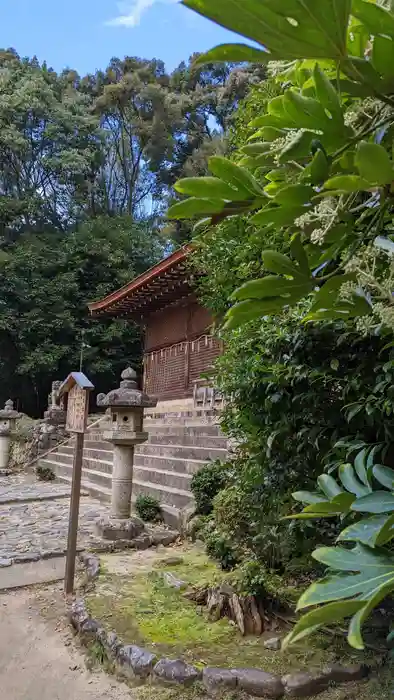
[{"x": 34, "y": 519}]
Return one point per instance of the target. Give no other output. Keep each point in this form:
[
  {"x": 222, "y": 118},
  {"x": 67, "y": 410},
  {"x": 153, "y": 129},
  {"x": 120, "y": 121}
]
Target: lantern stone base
[{"x": 119, "y": 528}]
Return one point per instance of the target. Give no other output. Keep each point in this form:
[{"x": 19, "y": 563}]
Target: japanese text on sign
[{"x": 77, "y": 409}]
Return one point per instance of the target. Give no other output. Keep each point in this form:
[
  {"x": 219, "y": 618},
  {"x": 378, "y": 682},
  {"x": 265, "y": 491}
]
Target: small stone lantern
[
  {"x": 7, "y": 424},
  {"x": 126, "y": 409}
]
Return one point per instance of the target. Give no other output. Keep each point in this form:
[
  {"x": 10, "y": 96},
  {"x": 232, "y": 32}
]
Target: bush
[
  {"x": 219, "y": 548},
  {"x": 45, "y": 473},
  {"x": 148, "y": 508},
  {"x": 206, "y": 484}
]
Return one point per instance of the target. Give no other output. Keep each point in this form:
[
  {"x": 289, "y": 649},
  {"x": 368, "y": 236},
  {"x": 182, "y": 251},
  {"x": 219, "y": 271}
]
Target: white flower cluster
[{"x": 318, "y": 235}]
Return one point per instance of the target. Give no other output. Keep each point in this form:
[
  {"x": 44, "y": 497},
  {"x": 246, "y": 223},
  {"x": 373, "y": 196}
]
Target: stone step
[
  {"x": 67, "y": 459},
  {"x": 168, "y": 419},
  {"x": 98, "y": 445},
  {"x": 183, "y": 451},
  {"x": 94, "y": 490},
  {"x": 90, "y": 476},
  {"x": 196, "y": 430},
  {"x": 172, "y": 464},
  {"x": 162, "y": 477},
  {"x": 185, "y": 439},
  {"x": 178, "y": 498}
]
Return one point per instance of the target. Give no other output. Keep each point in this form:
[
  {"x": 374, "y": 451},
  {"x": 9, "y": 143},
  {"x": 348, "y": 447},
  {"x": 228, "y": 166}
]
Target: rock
[
  {"x": 216, "y": 679},
  {"x": 88, "y": 629},
  {"x": 91, "y": 564},
  {"x": 259, "y": 683},
  {"x": 273, "y": 644},
  {"x": 143, "y": 541},
  {"x": 110, "y": 642},
  {"x": 172, "y": 561},
  {"x": 114, "y": 529},
  {"x": 5, "y": 562},
  {"x": 303, "y": 685},
  {"x": 78, "y": 614},
  {"x": 345, "y": 674},
  {"x": 164, "y": 537},
  {"x": 26, "y": 557},
  {"x": 176, "y": 672},
  {"x": 134, "y": 661},
  {"x": 174, "y": 582}
]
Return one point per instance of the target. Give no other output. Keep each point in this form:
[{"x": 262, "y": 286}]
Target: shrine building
[{"x": 178, "y": 346}]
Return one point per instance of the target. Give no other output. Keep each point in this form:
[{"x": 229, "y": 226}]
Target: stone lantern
[
  {"x": 7, "y": 424},
  {"x": 126, "y": 412}
]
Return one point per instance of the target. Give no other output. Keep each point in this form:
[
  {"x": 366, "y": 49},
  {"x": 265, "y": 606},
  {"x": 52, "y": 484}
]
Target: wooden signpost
[{"x": 77, "y": 387}]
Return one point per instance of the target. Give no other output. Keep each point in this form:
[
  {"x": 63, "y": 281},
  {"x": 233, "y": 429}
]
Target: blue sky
[{"x": 86, "y": 34}]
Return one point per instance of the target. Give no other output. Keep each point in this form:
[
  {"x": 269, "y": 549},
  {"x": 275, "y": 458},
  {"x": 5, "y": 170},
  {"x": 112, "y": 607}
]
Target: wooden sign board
[{"x": 77, "y": 409}]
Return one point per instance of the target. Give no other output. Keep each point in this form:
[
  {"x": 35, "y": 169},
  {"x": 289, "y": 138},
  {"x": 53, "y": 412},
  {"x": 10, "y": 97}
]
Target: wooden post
[
  {"x": 74, "y": 514},
  {"x": 76, "y": 388}
]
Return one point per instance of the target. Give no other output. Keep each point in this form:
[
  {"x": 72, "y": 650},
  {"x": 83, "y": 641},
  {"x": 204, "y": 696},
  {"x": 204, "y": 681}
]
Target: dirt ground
[{"x": 38, "y": 657}]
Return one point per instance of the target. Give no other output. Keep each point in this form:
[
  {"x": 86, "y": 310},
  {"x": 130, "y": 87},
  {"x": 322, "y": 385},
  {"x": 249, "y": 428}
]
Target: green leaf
[
  {"x": 354, "y": 636},
  {"x": 273, "y": 287},
  {"x": 347, "y": 183},
  {"x": 277, "y": 216},
  {"x": 374, "y": 531},
  {"x": 329, "y": 486},
  {"x": 298, "y": 252},
  {"x": 384, "y": 475},
  {"x": 236, "y": 176},
  {"x": 234, "y": 53},
  {"x": 281, "y": 264},
  {"x": 383, "y": 56},
  {"x": 350, "y": 481},
  {"x": 195, "y": 207},
  {"x": 291, "y": 30},
  {"x": 326, "y": 615},
  {"x": 306, "y": 112},
  {"x": 298, "y": 148},
  {"x": 360, "y": 467},
  {"x": 309, "y": 497},
  {"x": 327, "y": 95},
  {"x": 210, "y": 188},
  {"x": 374, "y": 164},
  {"x": 319, "y": 168},
  {"x": 294, "y": 195},
  {"x": 375, "y": 18},
  {"x": 325, "y": 508},
  {"x": 249, "y": 310},
  {"x": 377, "y": 502},
  {"x": 255, "y": 149}
]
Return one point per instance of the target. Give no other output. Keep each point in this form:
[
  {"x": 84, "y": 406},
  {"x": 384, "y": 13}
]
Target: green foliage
[
  {"x": 44, "y": 473},
  {"x": 361, "y": 577},
  {"x": 206, "y": 484},
  {"x": 220, "y": 548},
  {"x": 148, "y": 508},
  {"x": 318, "y": 165}
]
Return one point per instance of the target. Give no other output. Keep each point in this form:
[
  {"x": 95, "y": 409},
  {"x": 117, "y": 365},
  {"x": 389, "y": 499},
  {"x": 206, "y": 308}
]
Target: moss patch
[{"x": 132, "y": 598}]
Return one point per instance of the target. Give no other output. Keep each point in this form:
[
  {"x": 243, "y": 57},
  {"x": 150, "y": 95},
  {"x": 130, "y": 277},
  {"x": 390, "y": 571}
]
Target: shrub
[
  {"x": 206, "y": 484},
  {"x": 45, "y": 473},
  {"x": 220, "y": 548},
  {"x": 148, "y": 508}
]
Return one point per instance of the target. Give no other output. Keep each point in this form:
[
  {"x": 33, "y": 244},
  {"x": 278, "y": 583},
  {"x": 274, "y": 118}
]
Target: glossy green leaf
[
  {"x": 235, "y": 53},
  {"x": 246, "y": 311},
  {"x": 347, "y": 183},
  {"x": 277, "y": 216},
  {"x": 273, "y": 287},
  {"x": 374, "y": 531},
  {"x": 306, "y": 112},
  {"x": 209, "y": 187},
  {"x": 333, "y": 612},
  {"x": 323, "y": 508},
  {"x": 351, "y": 482},
  {"x": 309, "y": 497},
  {"x": 377, "y": 502},
  {"x": 375, "y": 18},
  {"x": 383, "y": 56},
  {"x": 384, "y": 475},
  {"x": 373, "y": 163},
  {"x": 298, "y": 252},
  {"x": 290, "y": 30},
  {"x": 257, "y": 148},
  {"x": 280, "y": 264},
  {"x": 360, "y": 467},
  {"x": 327, "y": 94},
  {"x": 195, "y": 207},
  {"x": 354, "y": 635},
  {"x": 294, "y": 195},
  {"x": 329, "y": 486},
  {"x": 319, "y": 168},
  {"x": 236, "y": 176},
  {"x": 299, "y": 147}
]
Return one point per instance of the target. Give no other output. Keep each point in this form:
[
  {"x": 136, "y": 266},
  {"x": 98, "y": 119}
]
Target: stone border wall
[{"x": 138, "y": 664}]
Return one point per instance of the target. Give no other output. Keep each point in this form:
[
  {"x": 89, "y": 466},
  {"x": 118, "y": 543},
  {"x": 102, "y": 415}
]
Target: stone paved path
[{"x": 34, "y": 519}]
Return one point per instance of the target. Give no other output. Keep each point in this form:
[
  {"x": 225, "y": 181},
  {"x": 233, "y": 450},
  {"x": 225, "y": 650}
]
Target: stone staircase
[{"x": 179, "y": 445}]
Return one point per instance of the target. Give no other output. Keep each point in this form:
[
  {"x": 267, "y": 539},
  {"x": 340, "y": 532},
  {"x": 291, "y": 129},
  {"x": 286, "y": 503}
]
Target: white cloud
[{"x": 130, "y": 13}]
